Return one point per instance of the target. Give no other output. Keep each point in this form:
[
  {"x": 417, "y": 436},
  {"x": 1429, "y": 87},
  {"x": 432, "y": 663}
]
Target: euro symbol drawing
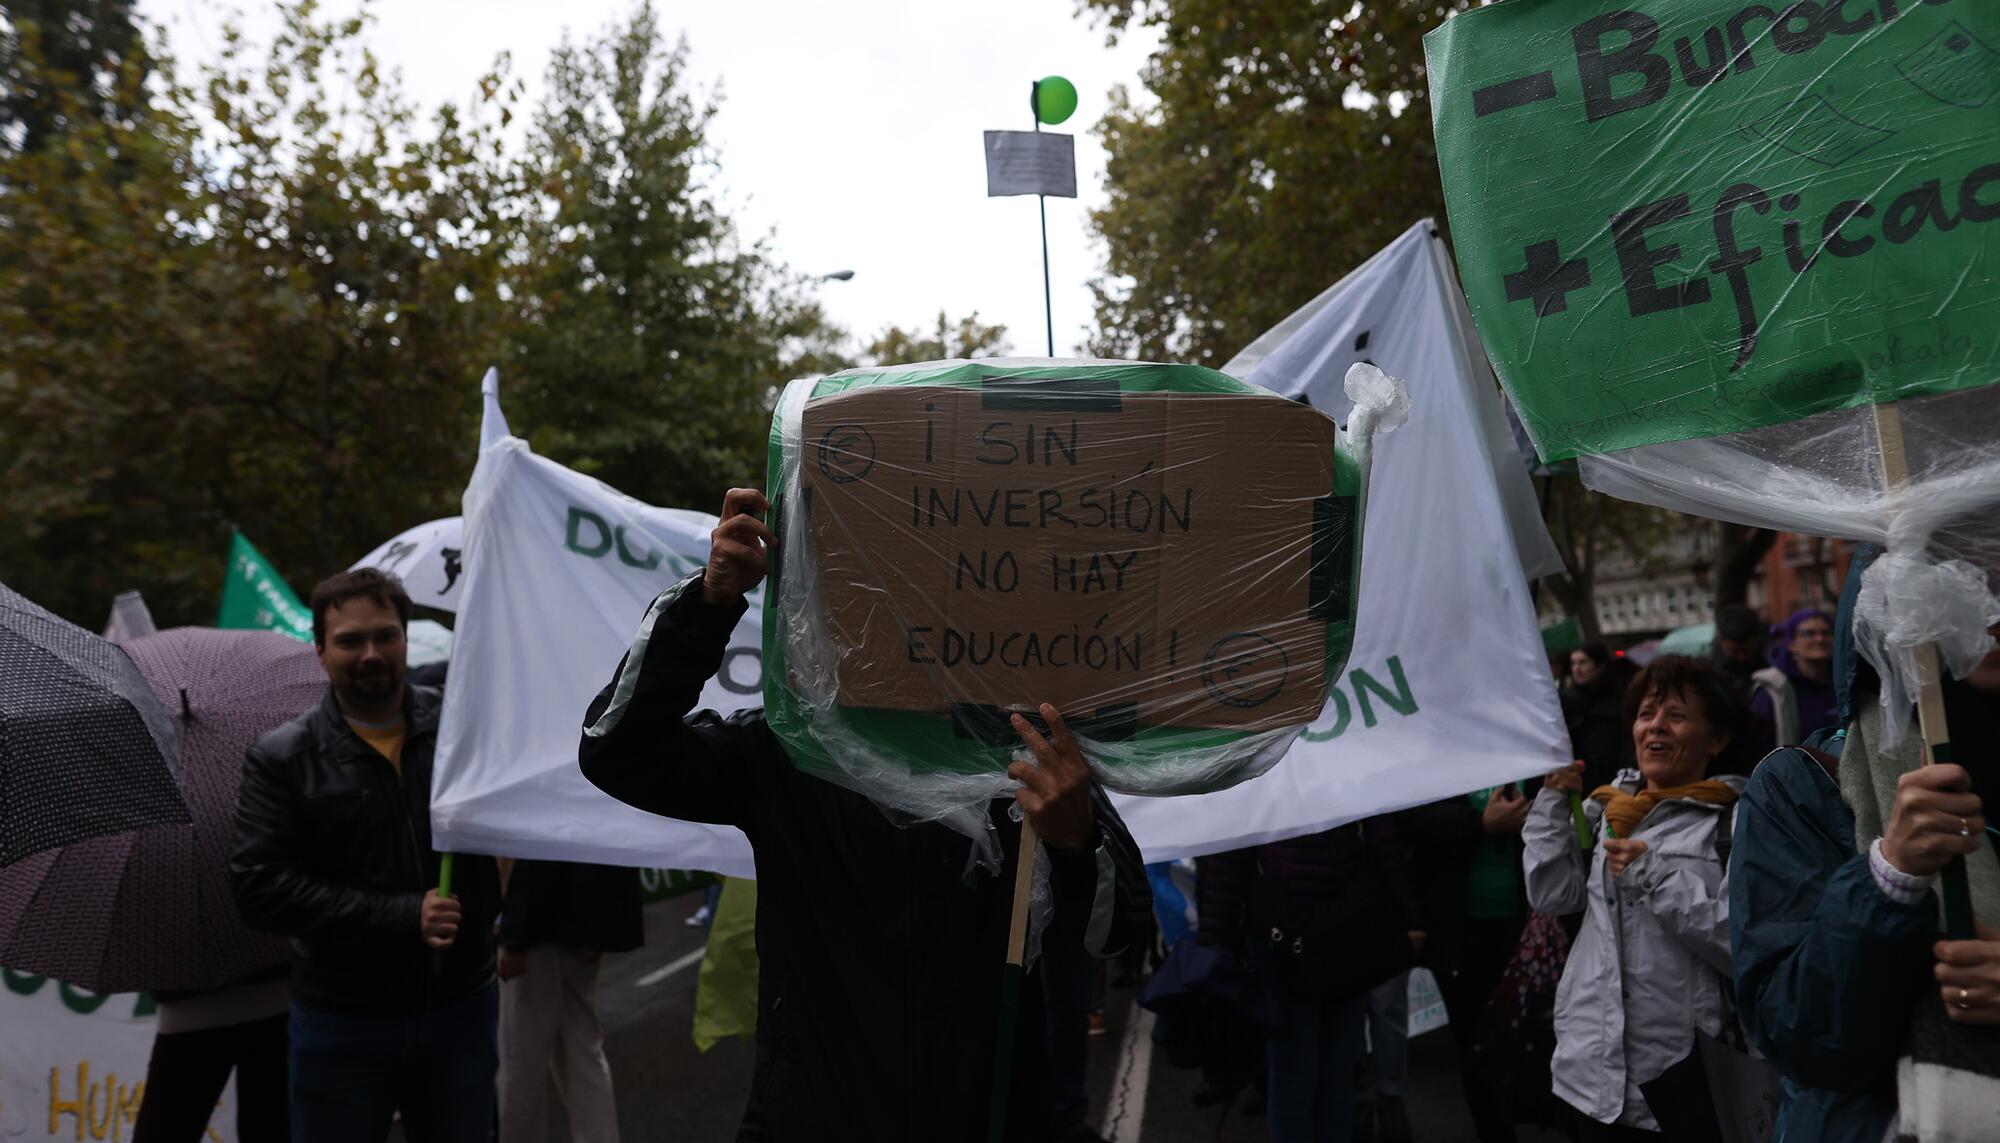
[
  {"x": 846, "y": 453},
  {"x": 1245, "y": 670}
]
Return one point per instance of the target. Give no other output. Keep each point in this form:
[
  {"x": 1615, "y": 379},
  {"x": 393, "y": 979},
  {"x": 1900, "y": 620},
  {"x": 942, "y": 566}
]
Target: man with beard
[{"x": 394, "y": 1007}]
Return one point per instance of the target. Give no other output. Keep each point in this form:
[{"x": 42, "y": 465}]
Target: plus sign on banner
[{"x": 1682, "y": 218}]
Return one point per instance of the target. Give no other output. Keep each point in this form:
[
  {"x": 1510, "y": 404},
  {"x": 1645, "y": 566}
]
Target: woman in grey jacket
[{"x": 1650, "y": 966}]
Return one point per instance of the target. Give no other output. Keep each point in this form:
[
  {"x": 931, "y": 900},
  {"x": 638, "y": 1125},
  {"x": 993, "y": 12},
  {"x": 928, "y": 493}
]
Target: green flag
[
  {"x": 1681, "y": 218},
  {"x": 255, "y": 596}
]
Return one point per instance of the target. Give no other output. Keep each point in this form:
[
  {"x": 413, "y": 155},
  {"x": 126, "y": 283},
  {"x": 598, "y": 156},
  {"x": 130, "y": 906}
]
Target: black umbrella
[
  {"x": 85, "y": 748},
  {"x": 151, "y": 910}
]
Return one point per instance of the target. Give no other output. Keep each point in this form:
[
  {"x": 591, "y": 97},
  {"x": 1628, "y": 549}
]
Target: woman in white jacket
[{"x": 1651, "y": 964}]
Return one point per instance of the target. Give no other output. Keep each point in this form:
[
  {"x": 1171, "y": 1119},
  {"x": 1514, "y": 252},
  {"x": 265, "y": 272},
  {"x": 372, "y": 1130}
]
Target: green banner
[
  {"x": 1681, "y": 218},
  {"x": 1564, "y": 636},
  {"x": 255, "y": 596}
]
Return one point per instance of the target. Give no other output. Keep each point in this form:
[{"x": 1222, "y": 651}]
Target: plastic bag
[{"x": 1164, "y": 553}]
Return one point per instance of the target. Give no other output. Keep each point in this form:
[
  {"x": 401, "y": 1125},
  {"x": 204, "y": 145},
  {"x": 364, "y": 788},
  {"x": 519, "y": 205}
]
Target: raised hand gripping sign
[{"x": 1682, "y": 218}]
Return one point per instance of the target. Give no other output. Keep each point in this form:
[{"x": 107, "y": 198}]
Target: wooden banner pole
[
  {"x": 1010, "y": 986},
  {"x": 1930, "y": 694}
]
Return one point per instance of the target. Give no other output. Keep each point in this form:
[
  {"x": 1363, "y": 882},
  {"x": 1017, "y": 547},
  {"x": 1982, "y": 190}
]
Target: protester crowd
[{"x": 1719, "y": 922}]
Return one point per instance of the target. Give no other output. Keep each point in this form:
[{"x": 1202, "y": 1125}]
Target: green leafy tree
[
  {"x": 968, "y": 337},
  {"x": 651, "y": 338},
  {"x": 66, "y": 61},
  {"x": 91, "y": 336},
  {"x": 273, "y": 316},
  {"x": 263, "y": 298},
  {"x": 1282, "y": 144}
]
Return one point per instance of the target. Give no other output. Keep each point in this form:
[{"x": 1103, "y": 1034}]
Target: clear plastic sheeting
[
  {"x": 1906, "y": 603},
  {"x": 1165, "y": 554},
  {"x": 1381, "y": 405},
  {"x": 1823, "y": 476}
]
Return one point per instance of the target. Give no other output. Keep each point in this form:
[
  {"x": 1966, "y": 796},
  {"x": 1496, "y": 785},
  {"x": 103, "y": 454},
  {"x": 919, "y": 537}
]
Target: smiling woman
[
  {"x": 1648, "y": 968},
  {"x": 1685, "y": 718}
]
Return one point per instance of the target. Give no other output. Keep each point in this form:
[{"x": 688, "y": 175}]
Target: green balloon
[{"x": 1055, "y": 99}]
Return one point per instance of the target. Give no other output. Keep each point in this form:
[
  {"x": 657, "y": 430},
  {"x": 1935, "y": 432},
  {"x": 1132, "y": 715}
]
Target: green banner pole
[
  {"x": 444, "y": 875},
  {"x": 1580, "y": 818}
]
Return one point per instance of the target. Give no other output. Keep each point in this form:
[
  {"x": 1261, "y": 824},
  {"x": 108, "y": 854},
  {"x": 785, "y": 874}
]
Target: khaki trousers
[{"x": 550, "y": 1039}]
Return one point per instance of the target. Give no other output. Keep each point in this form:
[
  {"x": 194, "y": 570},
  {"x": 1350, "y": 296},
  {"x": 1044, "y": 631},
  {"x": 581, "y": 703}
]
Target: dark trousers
[
  {"x": 1466, "y": 987},
  {"x": 1068, "y": 971},
  {"x": 352, "y": 1074},
  {"x": 188, "y": 1071},
  {"x": 1315, "y": 1064},
  {"x": 1680, "y": 1102}
]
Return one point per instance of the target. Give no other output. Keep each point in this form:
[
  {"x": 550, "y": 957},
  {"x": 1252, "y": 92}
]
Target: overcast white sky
[{"x": 850, "y": 128}]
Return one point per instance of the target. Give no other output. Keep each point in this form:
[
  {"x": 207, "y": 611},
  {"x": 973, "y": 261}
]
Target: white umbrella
[
  {"x": 429, "y": 642},
  {"x": 426, "y": 558}
]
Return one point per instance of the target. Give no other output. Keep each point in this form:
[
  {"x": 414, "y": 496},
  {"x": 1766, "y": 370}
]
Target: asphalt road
[{"x": 667, "y": 1091}]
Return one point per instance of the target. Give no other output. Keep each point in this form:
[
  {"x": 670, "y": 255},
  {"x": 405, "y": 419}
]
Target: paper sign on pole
[
  {"x": 1683, "y": 218},
  {"x": 1030, "y": 162}
]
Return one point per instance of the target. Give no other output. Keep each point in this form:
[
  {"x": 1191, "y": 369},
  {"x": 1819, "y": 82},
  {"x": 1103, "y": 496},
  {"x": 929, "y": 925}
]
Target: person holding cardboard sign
[{"x": 879, "y": 943}]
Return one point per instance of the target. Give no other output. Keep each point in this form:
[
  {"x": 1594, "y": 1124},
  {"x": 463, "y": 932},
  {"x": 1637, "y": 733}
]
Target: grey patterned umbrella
[
  {"x": 85, "y": 749},
  {"x": 151, "y": 909}
]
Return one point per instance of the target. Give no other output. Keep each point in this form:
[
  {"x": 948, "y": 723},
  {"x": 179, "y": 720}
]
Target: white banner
[
  {"x": 558, "y": 570},
  {"x": 73, "y": 1064},
  {"x": 1446, "y": 691}
]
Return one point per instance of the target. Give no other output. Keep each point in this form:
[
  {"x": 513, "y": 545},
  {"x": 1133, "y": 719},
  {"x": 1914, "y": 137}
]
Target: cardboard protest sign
[
  {"x": 1676, "y": 219},
  {"x": 1145, "y": 558},
  {"x": 1163, "y": 552}
]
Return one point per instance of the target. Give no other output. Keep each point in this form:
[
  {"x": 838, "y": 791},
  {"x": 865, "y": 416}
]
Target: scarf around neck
[{"x": 1625, "y": 811}]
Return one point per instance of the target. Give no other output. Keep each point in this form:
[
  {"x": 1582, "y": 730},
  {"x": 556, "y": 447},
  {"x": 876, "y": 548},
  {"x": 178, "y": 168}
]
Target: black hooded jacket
[{"x": 880, "y": 953}]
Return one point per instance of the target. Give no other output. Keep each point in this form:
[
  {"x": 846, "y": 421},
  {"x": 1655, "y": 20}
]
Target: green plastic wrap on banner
[
  {"x": 1165, "y": 553},
  {"x": 1676, "y": 219}
]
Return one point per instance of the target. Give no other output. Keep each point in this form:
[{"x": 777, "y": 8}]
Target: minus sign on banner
[{"x": 1513, "y": 93}]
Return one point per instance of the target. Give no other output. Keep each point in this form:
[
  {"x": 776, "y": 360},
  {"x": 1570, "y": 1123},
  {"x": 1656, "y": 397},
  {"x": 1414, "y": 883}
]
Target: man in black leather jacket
[
  {"x": 393, "y": 1002},
  {"x": 880, "y": 949}
]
